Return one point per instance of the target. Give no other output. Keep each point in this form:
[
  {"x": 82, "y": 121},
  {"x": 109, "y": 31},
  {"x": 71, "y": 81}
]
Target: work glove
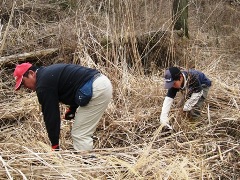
[
  {"x": 70, "y": 113},
  {"x": 55, "y": 147},
  {"x": 164, "y": 120}
]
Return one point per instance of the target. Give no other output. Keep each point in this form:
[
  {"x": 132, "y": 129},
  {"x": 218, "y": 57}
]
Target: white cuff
[{"x": 192, "y": 101}]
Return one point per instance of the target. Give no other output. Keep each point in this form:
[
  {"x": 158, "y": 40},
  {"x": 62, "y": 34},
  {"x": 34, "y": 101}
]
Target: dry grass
[{"x": 129, "y": 143}]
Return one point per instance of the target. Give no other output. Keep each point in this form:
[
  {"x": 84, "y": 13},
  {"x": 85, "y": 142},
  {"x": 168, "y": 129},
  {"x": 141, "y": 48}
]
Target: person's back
[{"x": 62, "y": 80}]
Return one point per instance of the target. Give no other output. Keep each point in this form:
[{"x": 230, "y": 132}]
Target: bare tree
[{"x": 180, "y": 16}]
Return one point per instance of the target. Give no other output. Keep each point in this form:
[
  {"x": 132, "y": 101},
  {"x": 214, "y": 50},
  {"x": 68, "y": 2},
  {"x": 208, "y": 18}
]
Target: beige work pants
[{"x": 87, "y": 117}]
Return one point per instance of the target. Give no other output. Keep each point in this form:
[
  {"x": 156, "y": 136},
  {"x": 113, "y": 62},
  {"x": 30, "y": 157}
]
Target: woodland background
[{"x": 132, "y": 42}]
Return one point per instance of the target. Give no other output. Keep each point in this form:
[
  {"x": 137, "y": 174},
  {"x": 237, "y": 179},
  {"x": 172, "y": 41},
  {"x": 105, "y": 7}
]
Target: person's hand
[
  {"x": 70, "y": 114},
  {"x": 55, "y": 147}
]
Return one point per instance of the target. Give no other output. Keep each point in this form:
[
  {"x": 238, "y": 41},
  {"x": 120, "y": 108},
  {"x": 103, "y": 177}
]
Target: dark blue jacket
[{"x": 59, "y": 83}]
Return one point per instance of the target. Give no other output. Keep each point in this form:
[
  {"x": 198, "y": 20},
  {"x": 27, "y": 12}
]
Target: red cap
[{"x": 19, "y": 72}]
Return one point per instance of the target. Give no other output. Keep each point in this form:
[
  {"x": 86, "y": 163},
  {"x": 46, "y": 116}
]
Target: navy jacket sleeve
[
  {"x": 172, "y": 92},
  {"x": 50, "y": 108}
]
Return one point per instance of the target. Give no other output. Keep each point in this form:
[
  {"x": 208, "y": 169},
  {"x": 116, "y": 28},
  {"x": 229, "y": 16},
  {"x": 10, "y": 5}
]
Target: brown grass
[{"x": 129, "y": 143}]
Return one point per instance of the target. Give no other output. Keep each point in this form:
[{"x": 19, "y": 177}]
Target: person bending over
[
  {"x": 85, "y": 90},
  {"x": 196, "y": 86}
]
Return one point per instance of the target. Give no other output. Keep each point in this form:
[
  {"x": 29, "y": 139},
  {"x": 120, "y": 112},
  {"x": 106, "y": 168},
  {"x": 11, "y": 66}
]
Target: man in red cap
[
  {"x": 19, "y": 72},
  {"x": 196, "y": 86},
  {"x": 85, "y": 90}
]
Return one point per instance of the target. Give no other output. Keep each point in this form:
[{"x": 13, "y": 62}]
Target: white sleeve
[
  {"x": 192, "y": 101},
  {"x": 165, "y": 110}
]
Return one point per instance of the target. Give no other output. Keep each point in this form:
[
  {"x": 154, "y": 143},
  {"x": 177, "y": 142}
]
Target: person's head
[
  {"x": 25, "y": 74},
  {"x": 173, "y": 78}
]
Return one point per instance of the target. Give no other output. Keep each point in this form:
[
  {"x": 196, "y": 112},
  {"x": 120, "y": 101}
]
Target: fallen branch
[{"x": 30, "y": 56}]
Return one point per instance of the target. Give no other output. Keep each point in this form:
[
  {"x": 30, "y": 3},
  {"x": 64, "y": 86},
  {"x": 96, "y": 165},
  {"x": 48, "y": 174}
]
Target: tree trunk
[{"x": 180, "y": 16}]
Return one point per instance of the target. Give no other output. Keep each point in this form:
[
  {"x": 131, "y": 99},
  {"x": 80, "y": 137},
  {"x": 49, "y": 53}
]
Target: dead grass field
[{"x": 129, "y": 143}]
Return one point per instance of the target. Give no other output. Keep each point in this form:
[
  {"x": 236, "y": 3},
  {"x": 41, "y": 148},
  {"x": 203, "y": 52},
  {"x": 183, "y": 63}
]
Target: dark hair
[{"x": 33, "y": 68}]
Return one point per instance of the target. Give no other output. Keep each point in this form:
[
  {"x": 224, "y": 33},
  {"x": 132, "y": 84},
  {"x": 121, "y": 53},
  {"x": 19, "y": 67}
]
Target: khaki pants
[{"x": 87, "y": 117}]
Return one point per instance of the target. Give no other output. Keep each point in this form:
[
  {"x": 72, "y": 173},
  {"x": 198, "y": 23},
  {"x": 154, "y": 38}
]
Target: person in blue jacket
[
  {"x": 196, "y": 86},
  {"x": 85, "y": 90}
]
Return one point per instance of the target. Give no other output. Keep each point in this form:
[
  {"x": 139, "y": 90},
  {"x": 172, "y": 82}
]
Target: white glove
[
  {"x": 165, "y": 110},
  {"x": 192, "y": 101}
]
